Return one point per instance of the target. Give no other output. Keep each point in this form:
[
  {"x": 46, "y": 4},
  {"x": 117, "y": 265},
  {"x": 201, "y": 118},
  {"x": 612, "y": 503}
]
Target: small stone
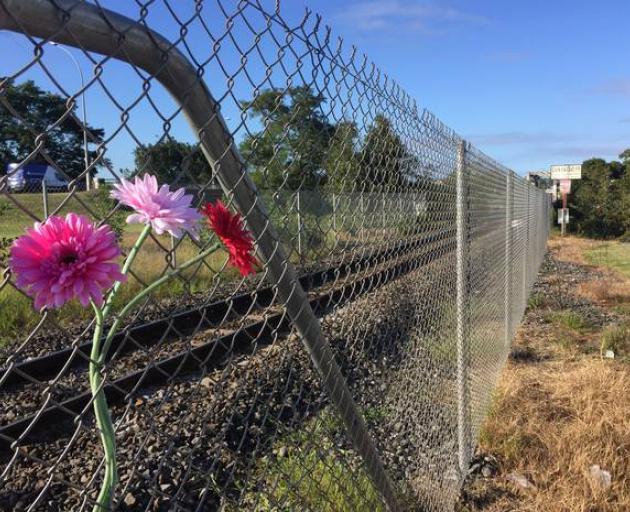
[
  {"x": 207, "y": 382},
  {"x": 521, "y": 480},
  {"x": 282, "y": 452},
  {"x": 600, "y": 477},
  {"x": 130, "y": 500},
  {"x": 609, "y": 354}
]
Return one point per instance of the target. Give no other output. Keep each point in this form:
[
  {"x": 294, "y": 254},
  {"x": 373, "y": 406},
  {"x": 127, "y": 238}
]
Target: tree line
[
  {"x": 296, "y": 146},
  {"x": 600, "y": 201}
]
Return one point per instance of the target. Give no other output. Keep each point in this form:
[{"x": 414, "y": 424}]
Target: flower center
[{"x": 69, "y": 258}]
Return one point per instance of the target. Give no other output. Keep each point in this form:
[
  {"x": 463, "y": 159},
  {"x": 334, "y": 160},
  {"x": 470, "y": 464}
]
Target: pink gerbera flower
[
  {"x": 166, "y": 211},
  {"x": 230, "y": 230},
  {"x": 65, "y": 258}
]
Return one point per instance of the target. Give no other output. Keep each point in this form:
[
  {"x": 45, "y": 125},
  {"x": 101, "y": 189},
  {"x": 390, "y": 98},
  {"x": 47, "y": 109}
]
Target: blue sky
[{"x": 529, "y": 82}]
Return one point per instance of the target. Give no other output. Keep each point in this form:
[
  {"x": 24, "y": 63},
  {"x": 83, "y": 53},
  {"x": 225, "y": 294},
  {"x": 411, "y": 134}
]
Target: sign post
[{"x": 564, "y": 174}]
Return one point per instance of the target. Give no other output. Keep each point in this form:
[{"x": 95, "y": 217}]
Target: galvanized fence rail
[{"x": 354, "y": 368}]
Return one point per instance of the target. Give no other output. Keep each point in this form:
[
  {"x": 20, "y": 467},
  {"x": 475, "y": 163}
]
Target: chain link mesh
[{"x": 415, "y": 251}]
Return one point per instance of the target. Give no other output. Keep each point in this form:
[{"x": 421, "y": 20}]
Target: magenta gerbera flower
[
  {"x": 166, "y": 211},
  {"x": 65, "y": 258}
]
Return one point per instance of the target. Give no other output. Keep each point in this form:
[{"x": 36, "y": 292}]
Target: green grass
[
  {"x": 615, "y": 255},
  {"x": 569, "y": 319},
  {"x": 308, "y": 472},
  {"x": 622, "y": 309},
  {"x": 617, "y": 338},
  {"x": 536, "y": 301},
  {"x": 17, "y": 316},
  {"x": 13, "y": 219}
]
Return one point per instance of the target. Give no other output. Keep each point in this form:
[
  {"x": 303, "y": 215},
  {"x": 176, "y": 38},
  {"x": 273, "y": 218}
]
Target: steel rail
[
  {"x": 56, "y": 364},
  {"x": 209, "y": 355}
]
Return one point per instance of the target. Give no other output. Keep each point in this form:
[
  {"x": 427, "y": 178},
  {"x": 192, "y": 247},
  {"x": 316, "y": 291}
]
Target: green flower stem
[
  {"x": 149, "y": 289},
  {"x": 103, "y": 419},
  {"x": 99, "y": 354},
  {"x": 101, "y": 409},
  {"x": 112, "y": 294},
  {"x": 125, "y": 269}
]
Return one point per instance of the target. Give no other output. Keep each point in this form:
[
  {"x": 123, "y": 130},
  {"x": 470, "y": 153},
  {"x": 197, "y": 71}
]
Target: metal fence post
[
  {"x": 173, "y": 252},
  {"x": 462, "y": 306},
  {"x": 362, "y": 210},
  {"x": 95, "y": 29},
  {"x": 383, "y": 213},
  {"x": 334, "y": 211},
  {"x": 537, "y": 206},
  {"x": 45, "y": 198},
  {"x": 526, "y": 249},
  {"x": 299, "y": 225},
  {"x": 508, "y": 258}
]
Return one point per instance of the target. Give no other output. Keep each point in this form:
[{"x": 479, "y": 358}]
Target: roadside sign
[
  {"x": 566, "y": 172},
  {"x": 565, "y": 186},
  {"x": 563, "y": 216}
]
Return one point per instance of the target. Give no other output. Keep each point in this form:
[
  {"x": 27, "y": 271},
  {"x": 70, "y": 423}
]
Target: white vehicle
[{"x": 29, "y": 178}]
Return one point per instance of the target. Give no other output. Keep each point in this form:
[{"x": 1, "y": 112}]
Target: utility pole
[{"x": 563, "y": 228}]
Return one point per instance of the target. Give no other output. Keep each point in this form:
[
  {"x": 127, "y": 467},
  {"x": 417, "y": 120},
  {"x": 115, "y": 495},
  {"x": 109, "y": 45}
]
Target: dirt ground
[{"x": 558, "y": 433}]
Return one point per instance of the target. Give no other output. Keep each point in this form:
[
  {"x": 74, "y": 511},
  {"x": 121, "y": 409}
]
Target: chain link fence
[{"x": 353, "y": 370}]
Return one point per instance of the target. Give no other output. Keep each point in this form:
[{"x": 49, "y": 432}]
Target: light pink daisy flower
[
  {"x": 65, "y": 258},
  {"x": 166, "y": 211}
]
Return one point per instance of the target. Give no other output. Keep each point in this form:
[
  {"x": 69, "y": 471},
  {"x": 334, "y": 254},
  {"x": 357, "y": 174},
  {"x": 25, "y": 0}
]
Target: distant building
[{"x": 542, "y": 179}]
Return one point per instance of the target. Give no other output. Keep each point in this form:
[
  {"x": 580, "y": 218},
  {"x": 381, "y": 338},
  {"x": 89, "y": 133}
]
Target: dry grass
[
  {"x": 571, "y": 248},
  {"x": 553, "y": 429},
  {"x": 557, "y": 414},
  {"x": 607, "y": 290},
  {"x": 610, "y": 258}
]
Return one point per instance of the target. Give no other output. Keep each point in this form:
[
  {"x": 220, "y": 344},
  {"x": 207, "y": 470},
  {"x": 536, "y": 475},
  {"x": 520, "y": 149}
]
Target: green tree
[
  {"x": 291, "y": 148},
  {"x": 385, "y": 161},
  {"x": 342, "y": 163},
  {"x": 598, "y": 197},
  {"x": 625, "y": 193},
  {"x": 35, "y": 111},
  {"x": 173, "y": 162}
]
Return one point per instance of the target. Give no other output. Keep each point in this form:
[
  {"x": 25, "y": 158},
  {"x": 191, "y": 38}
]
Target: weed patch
[
  {"x": 536, "y": 301},
  {"x": 569, "y": 320},
  {"x": 303, "y": 475}
]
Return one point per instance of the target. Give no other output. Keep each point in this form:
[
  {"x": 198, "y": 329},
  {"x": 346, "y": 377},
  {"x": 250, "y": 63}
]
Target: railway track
[{"x": 216, "y": 340}]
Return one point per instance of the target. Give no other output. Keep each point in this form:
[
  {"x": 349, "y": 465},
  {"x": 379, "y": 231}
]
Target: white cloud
[
  {"x": 516, "y": 137},
  {"x": 551, "y": 147},
  {"x": 615, "y": 87},
  {"x": 409, "y": 15},
  {"x": 583, "y": 152}
]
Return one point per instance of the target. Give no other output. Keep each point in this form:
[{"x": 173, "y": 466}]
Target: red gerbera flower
[{"x": 232, "y": 233}]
